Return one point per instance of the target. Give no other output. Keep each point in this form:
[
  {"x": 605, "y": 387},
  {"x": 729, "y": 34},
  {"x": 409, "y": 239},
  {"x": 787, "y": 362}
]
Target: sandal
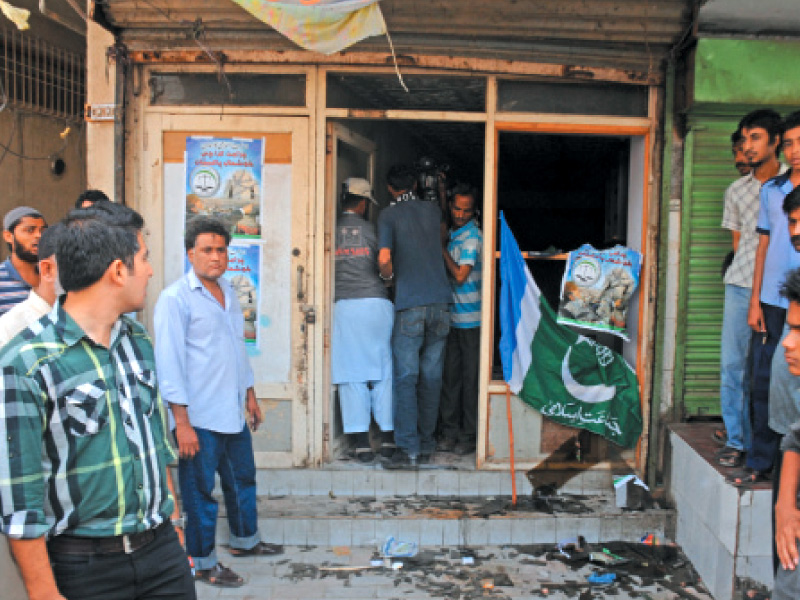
[
  {"x": 747, "y": 477},
  {"x": 260, "y": 549},
  {"x": 720, "y": 436},
  {"x": 387, "y": 449},
  {"x": 730, "y": 458},
  {"x": 365, "y": 455},
  {"x": 220, "y": 576}
]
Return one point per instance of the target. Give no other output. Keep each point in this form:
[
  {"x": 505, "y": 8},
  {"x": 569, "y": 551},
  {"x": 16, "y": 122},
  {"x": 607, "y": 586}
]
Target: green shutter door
[{"x": 708, "y": 170}]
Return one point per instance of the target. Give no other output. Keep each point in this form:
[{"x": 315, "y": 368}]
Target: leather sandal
[
  {"x": 260, "y": 549},
  {"x": 720, "y": 436},
  {"x": 365, "y": 455},
  {"x": 747, "y": 477},
  {"x": 387, "y": 450},
  {"x": 220, "y": 576},
  {"x": 731, "y": 458}
]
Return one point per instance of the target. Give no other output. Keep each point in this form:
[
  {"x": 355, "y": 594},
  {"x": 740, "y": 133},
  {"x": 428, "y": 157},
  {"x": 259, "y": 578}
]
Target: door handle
[{"x": 300, "y": 293}]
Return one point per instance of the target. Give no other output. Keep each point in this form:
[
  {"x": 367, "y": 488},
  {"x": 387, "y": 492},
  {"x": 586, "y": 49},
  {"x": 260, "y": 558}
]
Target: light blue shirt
[
  {"x": 781, "y": 255},
  {"x": 200, "y": 354},
  {"x": 465, "y": 247}
]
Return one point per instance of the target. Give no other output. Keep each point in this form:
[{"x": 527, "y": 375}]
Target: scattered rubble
[{"x": 565, "y": 570}]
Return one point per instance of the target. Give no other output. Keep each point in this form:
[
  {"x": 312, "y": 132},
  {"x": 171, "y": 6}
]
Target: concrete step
[
  {"x": 442, "y": 478},
  {"x": 438, "y": 520}
]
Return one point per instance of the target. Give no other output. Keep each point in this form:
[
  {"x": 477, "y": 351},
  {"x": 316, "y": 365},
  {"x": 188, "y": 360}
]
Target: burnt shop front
[{"x": 571, "y": 156}]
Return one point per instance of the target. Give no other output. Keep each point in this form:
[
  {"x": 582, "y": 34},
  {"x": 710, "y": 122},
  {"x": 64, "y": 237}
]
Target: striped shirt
[
  {"x": 13, "y": 288},
  {"x": 465, "y": 247},
  {"x": 83, "y": 446},
  {"x": 740, "y": 213}
]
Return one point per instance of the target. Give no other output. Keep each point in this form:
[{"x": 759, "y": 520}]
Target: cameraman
[
  {"x": 431, "y": 181},
  {"x": 411, "y": 254}
]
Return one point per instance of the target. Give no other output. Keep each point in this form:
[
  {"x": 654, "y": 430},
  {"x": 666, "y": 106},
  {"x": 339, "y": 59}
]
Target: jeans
[
  {"x": 159, "y": 571},
  {"x": 776, "y": 488},
  {"x": 765, "y": 441},
  {"x": 418, "y": 341},
  {"x": 231, "y": 456},
  {"x": 784, "y": 392},
  {"x": 787, "y": 584},
  {"x": 459, "y": 404},
  {"x": 734, "y": 394}
]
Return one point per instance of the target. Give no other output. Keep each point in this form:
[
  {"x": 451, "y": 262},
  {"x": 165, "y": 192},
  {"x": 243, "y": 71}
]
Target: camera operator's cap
[
  {"x": 15, "y": 214},
  {"x": 359, "y": 187}
]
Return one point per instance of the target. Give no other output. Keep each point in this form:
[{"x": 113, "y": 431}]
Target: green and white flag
[{"x": 565, "y": 376}]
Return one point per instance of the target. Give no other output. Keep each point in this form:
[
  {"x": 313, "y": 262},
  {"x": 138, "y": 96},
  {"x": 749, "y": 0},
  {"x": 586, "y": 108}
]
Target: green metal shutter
[{"x": 708, "y": 171}]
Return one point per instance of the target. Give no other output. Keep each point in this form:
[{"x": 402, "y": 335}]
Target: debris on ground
[
  {"x": 398, "y": 549},
  {"x": 632, "y": 493},
  {"x": 572, "y": 568}
]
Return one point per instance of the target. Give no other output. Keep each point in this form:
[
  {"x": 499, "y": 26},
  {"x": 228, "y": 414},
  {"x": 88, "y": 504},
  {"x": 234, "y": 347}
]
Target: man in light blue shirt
[
  {"x": 206, "y": 378},
  {"x": 458, "y": 408}
]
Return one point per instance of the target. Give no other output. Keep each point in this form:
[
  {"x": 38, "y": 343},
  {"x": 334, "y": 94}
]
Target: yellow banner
[{"x": 325, "y": 26}]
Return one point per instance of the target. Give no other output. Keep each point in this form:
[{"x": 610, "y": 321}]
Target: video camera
[{"x": 428, "y": 174}]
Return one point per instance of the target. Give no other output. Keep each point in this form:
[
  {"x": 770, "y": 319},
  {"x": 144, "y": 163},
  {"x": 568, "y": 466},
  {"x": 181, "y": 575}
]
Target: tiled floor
[
  {"x": 498, "y": 572},
  {"x": 698, "y": 436}
]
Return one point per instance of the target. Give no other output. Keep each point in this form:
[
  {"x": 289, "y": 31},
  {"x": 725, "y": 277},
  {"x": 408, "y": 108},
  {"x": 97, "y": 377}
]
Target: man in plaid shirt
[
  {"x": 85, "y": 494},
  {"x": 740, "y": 215}
]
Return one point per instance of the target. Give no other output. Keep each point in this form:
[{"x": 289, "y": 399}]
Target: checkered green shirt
[{"x": 83, "y": 446}]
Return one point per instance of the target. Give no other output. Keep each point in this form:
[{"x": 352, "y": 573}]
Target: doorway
[
  {"x": 368, "y": 148},
  {"x": 560, "y": 187},
  {"x": 279, "y": 253}
]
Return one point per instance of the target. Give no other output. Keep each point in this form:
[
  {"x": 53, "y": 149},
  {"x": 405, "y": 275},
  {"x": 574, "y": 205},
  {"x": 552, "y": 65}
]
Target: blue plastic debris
[{"x": 604, "y": 578}]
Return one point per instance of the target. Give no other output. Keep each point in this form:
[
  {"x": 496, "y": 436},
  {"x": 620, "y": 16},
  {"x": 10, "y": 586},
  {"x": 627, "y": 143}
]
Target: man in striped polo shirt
[
  {"x": 22, "y": 228},
  {"x": 458, "y": 408}
]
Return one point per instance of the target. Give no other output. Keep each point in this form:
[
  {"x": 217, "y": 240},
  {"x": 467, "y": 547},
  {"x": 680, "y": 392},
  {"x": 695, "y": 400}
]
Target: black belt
[{"x": 118, "y": 544}]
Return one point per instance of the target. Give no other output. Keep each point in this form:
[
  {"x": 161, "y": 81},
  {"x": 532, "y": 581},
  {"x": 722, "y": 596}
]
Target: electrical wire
[
  {"x": 3, "y": 106},
  {"x": 7, "y": 146},
  {"x": 198, "y": 31},
  {"x": 3, "y": 96},
  {"x": 10, "y": 139}
]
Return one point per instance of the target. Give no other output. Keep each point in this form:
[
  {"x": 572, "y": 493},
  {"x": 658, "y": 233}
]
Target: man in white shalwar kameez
[{"x": 363, "y": 317}]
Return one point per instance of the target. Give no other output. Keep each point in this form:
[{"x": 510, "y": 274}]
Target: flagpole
[{"x": 511, "y": 447}]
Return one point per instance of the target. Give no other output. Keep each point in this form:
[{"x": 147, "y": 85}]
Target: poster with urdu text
[{"x": 223, "y": 180}]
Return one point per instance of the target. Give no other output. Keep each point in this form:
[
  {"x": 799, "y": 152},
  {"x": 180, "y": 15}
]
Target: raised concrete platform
[{"x": 726, "y": 532}]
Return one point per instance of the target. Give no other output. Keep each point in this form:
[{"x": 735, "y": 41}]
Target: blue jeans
[
  {"x": 734, "y": 393},
  {"x": 231, "y": 456},
  {"x": 784, "y": 392},
  {"x": 418, "y": 341}
]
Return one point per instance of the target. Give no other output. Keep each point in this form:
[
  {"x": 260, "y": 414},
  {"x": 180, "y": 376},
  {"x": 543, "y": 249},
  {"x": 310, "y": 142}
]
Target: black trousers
[
  {"x": 765, "y": 441},
  {"x": 458, "y": 408},
  {"x": 160, "y": 570}
]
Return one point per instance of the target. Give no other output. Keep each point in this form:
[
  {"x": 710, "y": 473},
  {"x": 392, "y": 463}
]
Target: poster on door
[
  {"x": 223, "y": 180},
  {"x": 244, "y": 275}
]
